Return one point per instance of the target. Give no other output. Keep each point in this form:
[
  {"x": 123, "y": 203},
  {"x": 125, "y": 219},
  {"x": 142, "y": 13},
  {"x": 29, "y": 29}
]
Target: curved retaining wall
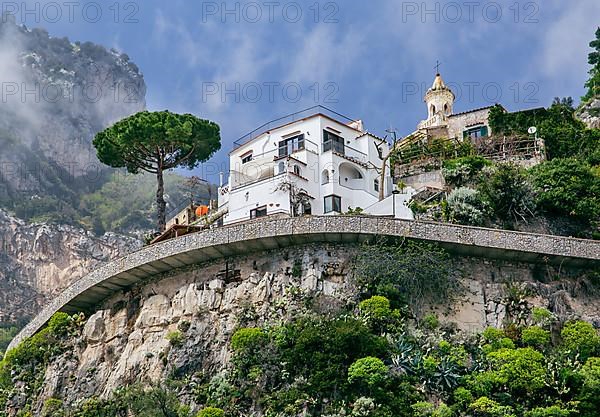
[{"x": 264, "y": 234}]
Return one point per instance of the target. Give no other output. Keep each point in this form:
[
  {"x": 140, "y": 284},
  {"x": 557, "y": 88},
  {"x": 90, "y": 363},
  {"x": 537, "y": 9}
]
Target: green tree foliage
[
  {"x": 368, "y": 371},
  {"x": 568, "y": 187},
  {"x": 486, "y": 407},
  {"x": 211, "y": 412},
  {"x": 581, "y": 338},
  {"x": 552, "y": 411},
  {"x": 28, "y": 361},
  {"x": 247, "y": 338},
  {"x": 589, "y": 396},
  {"x": 564, "y": 135},
  {"x": 155, "y": 142},
  {"x": 125, "y": 202},
  {"x": 408, "y": 273},
  {"x": 535, "y": 337},
  {"x": 522, "y": 371},
  {"x": 507, "y": 191},
  {"x": 464, "y": 170},
  {"x": 6, "y": 335},
  {"x": 593, "y": 84}
]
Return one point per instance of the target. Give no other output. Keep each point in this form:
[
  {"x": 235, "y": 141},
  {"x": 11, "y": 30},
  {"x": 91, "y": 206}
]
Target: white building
[{"x": 313, "y": 162}]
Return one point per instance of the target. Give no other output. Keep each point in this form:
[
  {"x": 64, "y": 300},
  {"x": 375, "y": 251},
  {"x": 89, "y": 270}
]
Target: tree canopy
[{"x": 155, "y": 142}]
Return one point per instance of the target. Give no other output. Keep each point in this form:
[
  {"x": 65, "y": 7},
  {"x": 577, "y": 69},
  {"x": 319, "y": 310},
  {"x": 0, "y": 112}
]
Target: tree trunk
[{"x": 161, "y": 205}]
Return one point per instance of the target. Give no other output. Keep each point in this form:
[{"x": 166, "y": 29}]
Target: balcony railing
[{"x": 290, "y": 118}]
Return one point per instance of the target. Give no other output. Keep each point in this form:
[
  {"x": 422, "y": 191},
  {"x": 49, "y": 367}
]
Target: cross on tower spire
[{"x": 437, "y": 67}]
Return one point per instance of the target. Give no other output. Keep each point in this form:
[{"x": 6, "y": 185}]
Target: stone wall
[
  {"x": 126, "y": 341},
  {"x": 269, "y": 233},
  {"x": 457, "y": 123}
]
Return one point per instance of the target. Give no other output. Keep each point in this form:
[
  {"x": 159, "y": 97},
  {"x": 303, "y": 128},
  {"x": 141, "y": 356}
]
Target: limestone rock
[{"x": 589, "y": 113}]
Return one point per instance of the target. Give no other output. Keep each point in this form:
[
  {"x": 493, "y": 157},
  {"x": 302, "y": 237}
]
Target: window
[
  {"x": 333, "y": 203},
  {"x": 325, "y": 177},
  {"x": 291, "y": 145},
  {"x": 258, "y": 212},
  {"x": 281, "y": 167},
  {"x": 476, "y": 132},
  {"x": 246, "y": 158},
  {"x": 297, "y": 170},
  {"x": 376, "y": 184},
  {"x": 331, "y": 141}
]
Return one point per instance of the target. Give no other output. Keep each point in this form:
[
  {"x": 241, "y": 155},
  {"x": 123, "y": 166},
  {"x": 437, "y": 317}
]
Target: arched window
[
  {"x": 325, "y": 177},
  {"x": 376, "y": 184},
  {"x": 446, "y": 108},
  {"x": 281, "y": 167},
  {"x": 432, "y": 109},
  {"x": 297, "y": 170}
]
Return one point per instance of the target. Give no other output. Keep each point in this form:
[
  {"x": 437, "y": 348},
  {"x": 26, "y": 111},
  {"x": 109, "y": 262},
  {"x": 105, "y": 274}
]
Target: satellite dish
[{"x": 532, "y": 130}]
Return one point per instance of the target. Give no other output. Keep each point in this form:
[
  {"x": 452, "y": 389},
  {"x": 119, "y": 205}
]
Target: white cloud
[{"x": 564, "y": 42}]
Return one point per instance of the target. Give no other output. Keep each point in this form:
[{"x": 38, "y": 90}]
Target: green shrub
[
  {"x": 589, "y": 396},
  {"x": 423, "y": 409},
  {"x": 568, "y": 187},
  {"x": 542, "y": 316},
  {"x": 463, "y": 397},
  {"x": 521, "y": 370},
  {"x": 377, "y": 307},
  {"x": 552, "y": 411},
  {"x": 580, "y": 337},
  {"x": 485, "y": 407},
  {"x": 462, "y": 170},
  {"x": 431, "y": 322},
  {"x": 247, "y": 338},
  {"x": 175, "y": 338},
  {"x": 379, "y": 315},
  {"x": 535, "y": 337},
  {"x": 465, "y": 206},
  {"x": 211, "y": 412},
  {"x": 497, "y": 339},
  {"x": 508, "y": 192},
  {"x": 53, "y": 408},
  {"x": 369, "y": 371}
]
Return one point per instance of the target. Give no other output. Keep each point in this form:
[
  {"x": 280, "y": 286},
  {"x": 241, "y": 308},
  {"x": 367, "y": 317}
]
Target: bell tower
[{"x": 439, "y": 99}]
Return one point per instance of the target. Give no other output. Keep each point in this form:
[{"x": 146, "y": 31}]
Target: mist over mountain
[{"x": 55, "y": 96}]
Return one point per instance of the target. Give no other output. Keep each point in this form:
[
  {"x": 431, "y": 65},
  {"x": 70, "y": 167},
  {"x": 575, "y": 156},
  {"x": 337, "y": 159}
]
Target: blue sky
[{"x": 370, "y": 60}]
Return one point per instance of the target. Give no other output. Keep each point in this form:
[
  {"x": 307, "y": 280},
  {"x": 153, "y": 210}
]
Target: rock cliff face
[
  {"x": 126, "y": 340},
  {"x": 590, "y": 113},
  {"x": 56, "y": 96},
  {"x": 40, "y": 260}
]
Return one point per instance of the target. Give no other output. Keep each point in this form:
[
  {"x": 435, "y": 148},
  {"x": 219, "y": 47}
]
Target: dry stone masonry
[{"x": 265, "y": 234}]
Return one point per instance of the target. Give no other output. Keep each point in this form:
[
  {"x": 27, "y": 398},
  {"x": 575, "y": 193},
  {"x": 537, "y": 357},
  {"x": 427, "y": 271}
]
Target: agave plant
[
  {"x": 408, "y": 359},
  {"x": 447, "y": 374}
]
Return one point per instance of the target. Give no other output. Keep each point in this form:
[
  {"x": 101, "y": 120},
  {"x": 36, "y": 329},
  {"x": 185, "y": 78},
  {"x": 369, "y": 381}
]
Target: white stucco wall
[{"x": 351, "y": 176}]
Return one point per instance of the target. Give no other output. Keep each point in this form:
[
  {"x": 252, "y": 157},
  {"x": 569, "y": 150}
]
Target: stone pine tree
[
  {"x": 593, "y": 84},
  {"x": 155, "y": 142}
]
